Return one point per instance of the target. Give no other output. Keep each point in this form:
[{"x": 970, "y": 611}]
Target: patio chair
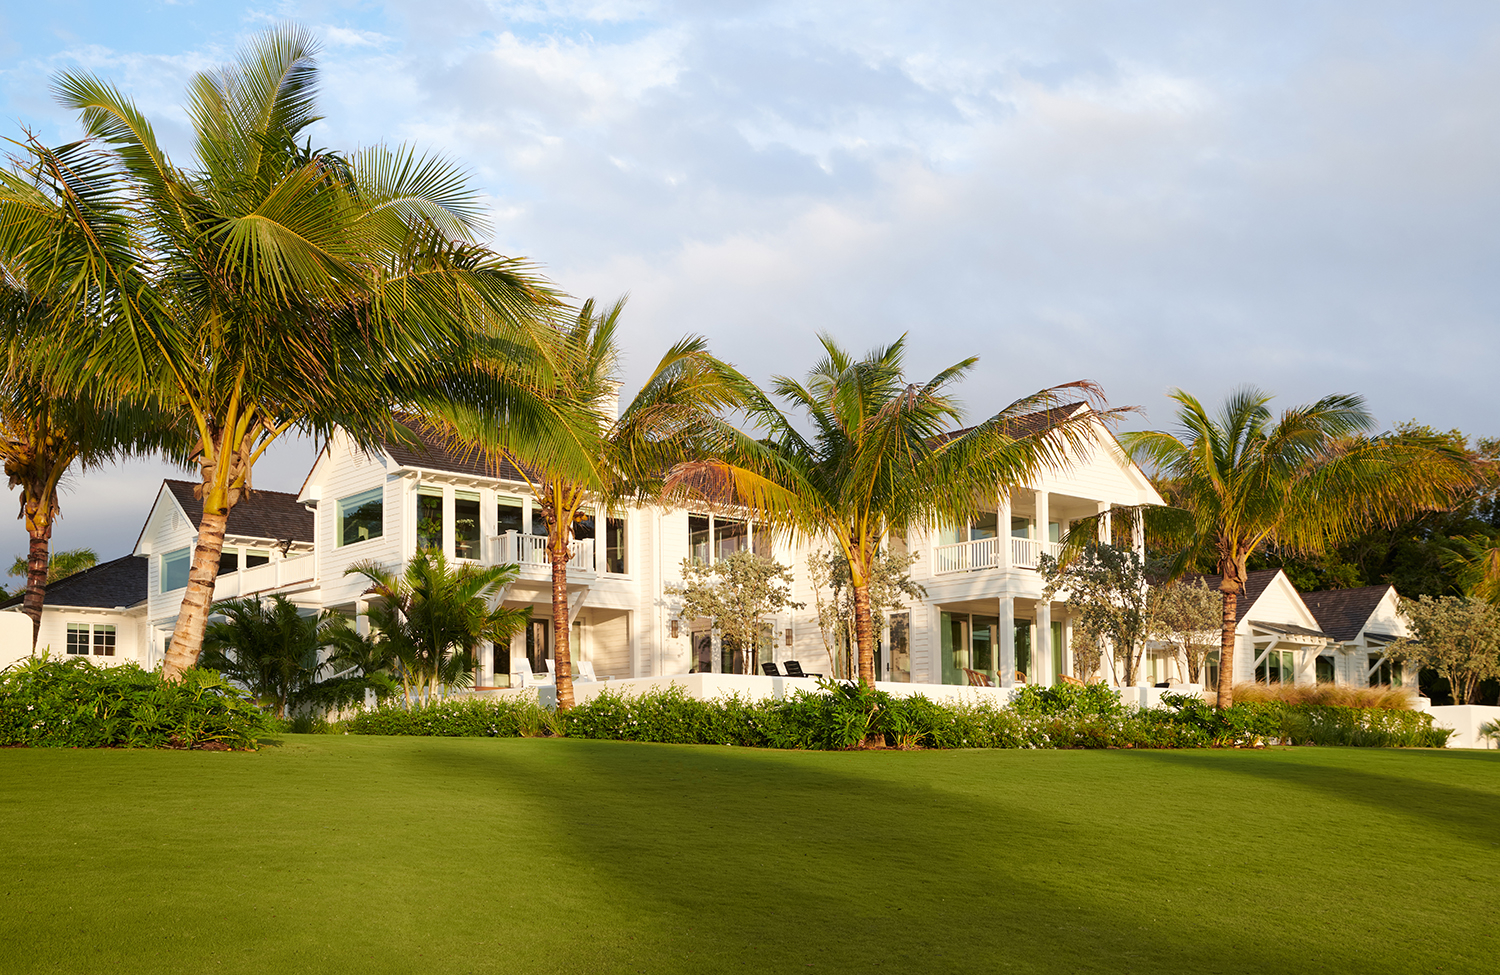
[
  {"x": 523, "y": 677},
  {"x": 585, "y": 670},
  {"x": 794, "y": 669},
  {"x": 1020, "y": 677},
  {"x": 770, "y": 669},
  {"x": 977, "y": 678},
  {"x": 1070, "y": 679}
]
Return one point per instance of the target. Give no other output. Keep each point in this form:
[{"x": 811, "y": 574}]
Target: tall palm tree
[
  {"x": 626, "y": 457},
  {"x": 431, "y": 618},
  {"x": 883, "y": 457},
  {"x": 271, "y": 286},
  {"x": 1305, "y": 481}
]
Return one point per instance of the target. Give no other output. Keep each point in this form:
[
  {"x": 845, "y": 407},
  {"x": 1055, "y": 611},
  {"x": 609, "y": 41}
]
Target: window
[
  {"x": 538, "y": 645},
  {"x": 229, "y": 560},
  {"x": 430, "y": 518},
  {"x": 256, "y": 556},
  {"x": 510, "y": 516},
  {"x": 1276, "y": 667},
  {"x": 465, "y": 525},
  {"x": 1023, "y": 650},
  {"x": 361, "y": 517},
  {"x": 1323, "y": 667},
  {"x": 1384, "y": 671},
  {"x": 1211, "y": 669},
  {"x": 583, "y": 523},
  {"x": 1020, "y": 527},
  {"x": 174, "y": 569},
  {"x": 901, "y": 648},
  {"x": 984, "y": 525},
  {"x": 711, "y": 537},
  {"x": 98, "y": 639},
  {"x": 614, "y": 545}
]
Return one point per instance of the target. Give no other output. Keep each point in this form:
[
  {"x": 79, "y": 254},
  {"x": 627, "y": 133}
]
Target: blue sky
[{"x": 1301, "y": 196}]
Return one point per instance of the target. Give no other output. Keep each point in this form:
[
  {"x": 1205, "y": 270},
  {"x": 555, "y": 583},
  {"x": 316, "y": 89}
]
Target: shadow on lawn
[
  {"x": 1468, "y": 814},
  {"x": 790, "y": 862}
]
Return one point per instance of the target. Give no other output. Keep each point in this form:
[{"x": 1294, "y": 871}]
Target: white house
[
  {"x": 1362, "y": 623},
  {"x": 99, "y": 613}
]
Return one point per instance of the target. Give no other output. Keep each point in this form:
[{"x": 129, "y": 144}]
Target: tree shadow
[{"x": 773, "y": 861}]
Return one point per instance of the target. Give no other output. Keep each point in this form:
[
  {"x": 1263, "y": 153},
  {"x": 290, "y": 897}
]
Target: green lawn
[{"x": 347, "y": 854}]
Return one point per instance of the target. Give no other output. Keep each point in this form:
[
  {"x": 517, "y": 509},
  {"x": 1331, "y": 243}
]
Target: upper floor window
[
  {"x": 430, "y": 517},
  {"x": 174, "y": 569},
  {"x": 361, "y": 516},
  {"x": 711, "y": 537},
  {"x": 984, "y": 525},
  {"x": 614, "y": 545},
  {"x": 466, "y": 524},
  {"x": 510, "y": 516},
  {"x": 98, "y": 638},
  {"x": 229, "y": 559}
]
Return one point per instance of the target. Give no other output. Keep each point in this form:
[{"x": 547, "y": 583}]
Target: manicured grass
[{"x": 344, "y": 855}]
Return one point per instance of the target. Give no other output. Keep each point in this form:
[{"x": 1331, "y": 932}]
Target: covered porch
[{"x": 1009, "y": 641}]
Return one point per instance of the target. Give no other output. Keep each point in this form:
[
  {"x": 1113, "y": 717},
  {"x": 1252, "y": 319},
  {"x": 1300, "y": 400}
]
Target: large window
[
  {"x": 900, "y": 648},
  {"x": 510, "y": 516},
  {"x": 1211, "y": 669},
  {"x": 229, "y": 559},
  {"x": 1276, "y": 667},
  {"x": 614, "y": 545},
  {"x": 361, "y": 517},
  {"x": 1384, "y": 671},
  {"x": 430, "y": 518},
  {"x": 96, "y": 638},
  {"x": 174, "y": 569},
  {"x": 1323, "y": 667},
  {"x": 466, "y": 525},
  {"x": 711, "y": 537}
]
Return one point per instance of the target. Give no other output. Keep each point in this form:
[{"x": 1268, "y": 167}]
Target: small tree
[
  {"x": 737, "y": 593},
  {"x": 1106, "y": 586},
  {"x": 1457, "y": 636},
  {"x": 890, "y": 587},
  {"x": 1088, "y": 653},
  {"x": 269, "y": 647},
  {"x": 1185, "y": 616},
  {"x": 431, "y": 618}
]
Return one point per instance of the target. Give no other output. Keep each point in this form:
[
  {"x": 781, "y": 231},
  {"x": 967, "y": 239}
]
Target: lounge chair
[
  {"x": 770, "y": 669},
  {"x": 794, "y": 669},
  {"x": 523, "y": 677},
  {"x": 585, "y": 670}
]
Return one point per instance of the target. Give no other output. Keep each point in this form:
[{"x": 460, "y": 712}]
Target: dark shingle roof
[
  {"x": 1342, "y": 613},
  {"x": 1255, "y": 586},
  {"x": 260, "y": 514},
  {"x": 121, "y": 582},
  {"x": 432, "y": 452}
]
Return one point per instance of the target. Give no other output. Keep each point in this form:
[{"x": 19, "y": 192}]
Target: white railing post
[{"x": 1005, "y": 560}]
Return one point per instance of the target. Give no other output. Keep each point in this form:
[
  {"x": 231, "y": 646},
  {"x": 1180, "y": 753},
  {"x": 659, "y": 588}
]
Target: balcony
[
  {"x": 271, "y": 575},
  {"x": 530, "y": 551},
  {"x": 984, "y": 553}
]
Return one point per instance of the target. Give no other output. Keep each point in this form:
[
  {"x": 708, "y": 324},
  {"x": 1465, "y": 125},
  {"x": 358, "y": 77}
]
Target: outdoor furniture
[
  {"x": 585, "y": 670},
  {"x": 977, "y": 678},
  {"x": 794, "y": 669},
  {"x": 1070, "y": 679},
  {"x": 1020, "y": 677},
  {"x": 770, "y": 669},
  {"x": 525, "y": 678}
]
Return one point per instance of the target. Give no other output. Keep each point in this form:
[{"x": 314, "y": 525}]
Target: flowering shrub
[{"x": 73, "y": 703}]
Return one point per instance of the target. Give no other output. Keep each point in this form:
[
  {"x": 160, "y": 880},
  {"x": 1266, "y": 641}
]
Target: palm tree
[
  {"x": 1304, "y": 482},
  {"x": 431, "y": 618},
  {"x": 270, "y": 287},
  {"x": 627, "y": 457},
  {"x": 269, "y": 647},
  {"x": 883, "y": 457}
]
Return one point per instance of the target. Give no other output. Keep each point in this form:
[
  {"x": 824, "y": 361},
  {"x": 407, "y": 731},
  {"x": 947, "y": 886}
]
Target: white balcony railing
[
  {"x": 531, "y": 550},
  {"x": 271, "y": 575},
  {"x": 984, "y": 553}
]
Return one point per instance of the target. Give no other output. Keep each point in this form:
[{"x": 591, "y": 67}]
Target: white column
[
  {"x": 934, "y": 650},
  {"x": 1138, "y": 532},
  {"x": 1043, "y": 516},
  {"x": 1041, "y": 650},
  {"x": 1003, "y": 558},
  {"x": 1067, "y": 630},
  {"x": 1007, "y": 641},
  {"x": 449, "y": 523},
  {"x": 1104, "y": 527}
]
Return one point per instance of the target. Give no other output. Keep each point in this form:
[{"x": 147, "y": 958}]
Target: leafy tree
[
  {"x": 1184, "y": 616},
  {"x": 1107, "y": 596},
  {"x": 737, "y": 593},
  {"x": 269, "y": 286},
  {"x": 60, "y": 565},
  {"x": 430, "y": 619},
  {"x": 1087, "y": 648},
  {"x": 1305, "y": 482},
  {"x": 610, "y": 459},
  {"x": 883, "y": 457},
  {"x": 1456, "y": 636},
  {"x": 890, "y": 586},
  {"x": 269, "y": 646}
]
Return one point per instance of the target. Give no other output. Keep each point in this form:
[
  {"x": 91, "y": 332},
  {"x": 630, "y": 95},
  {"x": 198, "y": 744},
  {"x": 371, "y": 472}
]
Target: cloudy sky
[{"x": 1298, "y": 195}]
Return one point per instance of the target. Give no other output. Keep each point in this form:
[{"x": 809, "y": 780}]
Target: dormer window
[
  {"x": 361, "y": 517},
  {"x": 174, "y": 569}
]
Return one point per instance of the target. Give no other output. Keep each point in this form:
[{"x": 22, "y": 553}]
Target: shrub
[
  {"x": 463, "y": 718},
  {"x": 1328, "y": 695},
  {"x": 1100, "y": 699},
  {"x": 74, "y": 703}
]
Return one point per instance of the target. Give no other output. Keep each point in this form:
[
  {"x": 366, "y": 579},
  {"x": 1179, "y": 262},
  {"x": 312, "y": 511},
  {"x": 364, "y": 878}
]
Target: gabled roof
[
  {"x": 121, "y": 582},
  {"x": 431, "y": 451},
  {"x": 1343, "y": 613},
  {"x": 260, "y": 514},
  {"x": 1255, "y": 586}
]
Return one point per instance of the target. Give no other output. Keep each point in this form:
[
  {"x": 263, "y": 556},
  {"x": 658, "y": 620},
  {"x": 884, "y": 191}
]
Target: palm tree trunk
[
  {"x": 864, "y": 633},
  {"x": 1226, "y": 643},
  {"x": 36, "y": 575},
  {"x": 192, "y": 618},
  {"x": 557, "y": 554}
]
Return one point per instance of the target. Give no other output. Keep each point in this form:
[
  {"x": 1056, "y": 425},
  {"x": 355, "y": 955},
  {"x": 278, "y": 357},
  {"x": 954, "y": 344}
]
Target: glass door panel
[
  {"x": 1023, "y": 650},
  {"x": 985, "y": 641}
]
